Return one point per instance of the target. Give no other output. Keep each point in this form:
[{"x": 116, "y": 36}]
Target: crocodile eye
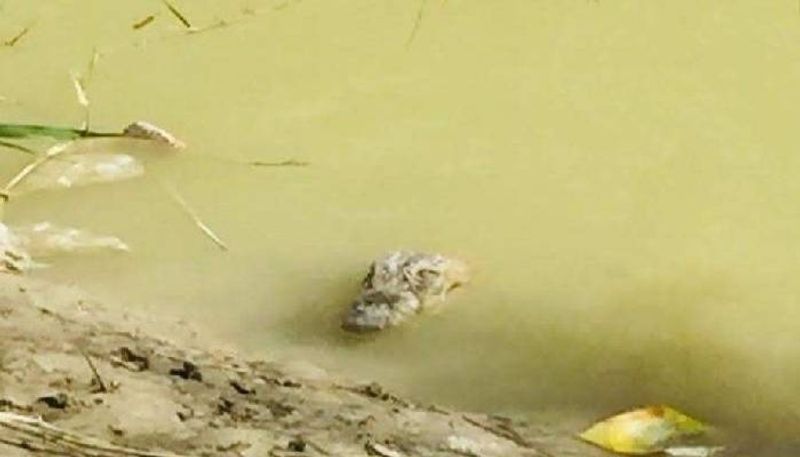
[{"x": 427, "y": 273}]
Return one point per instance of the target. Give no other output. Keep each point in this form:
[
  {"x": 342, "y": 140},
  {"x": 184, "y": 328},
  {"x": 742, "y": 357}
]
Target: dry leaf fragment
[
  {"x": 642, "y": 431},
  {"x": 147, "y": 131}
]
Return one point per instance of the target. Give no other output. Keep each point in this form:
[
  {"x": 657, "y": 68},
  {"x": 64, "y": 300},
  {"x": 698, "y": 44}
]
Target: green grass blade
[
  {"x": 33, "y": 131},
  {"x": 57, "y": 133}
]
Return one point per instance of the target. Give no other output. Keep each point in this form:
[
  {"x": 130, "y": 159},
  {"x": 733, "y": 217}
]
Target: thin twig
[
  {"x": 417, "y": 22},
  {"x": 284, "y": 163},
  {"x": 225, "y": 23},
  {"x": 80, "y": 91},
  {"x": 222, "y": 23},
  {"x": 87, "y": 77},
  {"x": 144, "y": 22},
  {"x": 255, "y": 163},
  {"x": 11, "y": 42},
  {"x": 178, "y": 14},
  {"x": 100, "y": 384},
  {"x": 83, "y": 99},
  {"x": 17, "y": 147},
  {"x": 81, "y": 82},
  {"x": 193, "y": 215}
]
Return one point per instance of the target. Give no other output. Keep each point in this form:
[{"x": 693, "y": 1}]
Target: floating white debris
[
  {"x": 82, "y": 169},
  {"x": 693, "y": 451},
  {"x": 46, "y": 239},
  {"x": 147, "y": 131}
]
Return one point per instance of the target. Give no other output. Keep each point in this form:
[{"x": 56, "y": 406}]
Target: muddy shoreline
[{"x": 144, "y": 383}]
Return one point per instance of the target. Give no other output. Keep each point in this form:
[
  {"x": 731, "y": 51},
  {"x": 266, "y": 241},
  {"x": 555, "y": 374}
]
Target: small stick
[
  {"x": 13, "y": 40},
  {"x": 193, "y": 215},
  {"x": 97, "y": 377},
  {"x": 178, "y": 14},
  {"x": 91, "y": 65},
  {"x": 256, "y": 163},
  {"x": 80, "y": 91},
  {"x": 284, "y": 163},
  {"x": 80, "y": 82},
  {"x": 83, "y": 100},
  {"x": 417, "y": 23},
  {"x": 144, "y": 22},
  {"x": 17, "y": 147}
]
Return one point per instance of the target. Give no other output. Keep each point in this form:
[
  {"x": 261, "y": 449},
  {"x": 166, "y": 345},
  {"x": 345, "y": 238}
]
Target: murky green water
[{"x": 622, "y": 175}]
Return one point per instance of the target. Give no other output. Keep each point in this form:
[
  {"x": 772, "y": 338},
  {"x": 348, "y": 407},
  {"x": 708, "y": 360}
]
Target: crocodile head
[{"x": 401, "y": 285}]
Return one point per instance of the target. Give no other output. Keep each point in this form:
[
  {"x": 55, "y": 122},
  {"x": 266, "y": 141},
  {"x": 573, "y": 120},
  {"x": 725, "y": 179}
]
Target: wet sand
[{"x": 144, "y": 383}]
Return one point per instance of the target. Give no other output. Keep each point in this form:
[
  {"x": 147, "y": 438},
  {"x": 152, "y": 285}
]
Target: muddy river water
[{"x": 621, "y": 175}]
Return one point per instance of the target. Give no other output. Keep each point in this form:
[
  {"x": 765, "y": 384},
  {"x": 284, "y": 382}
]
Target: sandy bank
[{"x": 159, "y": 387}]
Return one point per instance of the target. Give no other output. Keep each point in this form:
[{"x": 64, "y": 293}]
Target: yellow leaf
[{"x": 642, "y": 431}]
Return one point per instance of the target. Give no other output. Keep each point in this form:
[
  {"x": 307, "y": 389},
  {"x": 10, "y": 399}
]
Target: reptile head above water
[{"x": 400, "y": 285}]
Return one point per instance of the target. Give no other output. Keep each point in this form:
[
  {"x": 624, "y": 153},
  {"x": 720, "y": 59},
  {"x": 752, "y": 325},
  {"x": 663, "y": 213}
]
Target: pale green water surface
[{"x": 623, "y": 176}]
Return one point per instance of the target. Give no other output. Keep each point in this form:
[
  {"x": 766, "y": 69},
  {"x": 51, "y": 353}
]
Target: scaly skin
[{"x": 401, "y": 285}]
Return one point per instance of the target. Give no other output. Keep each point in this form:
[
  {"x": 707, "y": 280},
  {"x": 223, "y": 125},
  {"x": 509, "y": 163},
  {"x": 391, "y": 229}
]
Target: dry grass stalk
[
  {"x": 51, "y": 153},
  {"x": 80, "y": 91},
  {"x": 417, "y": 22},
  {"x": 36, "y": 435},
  {"x": 83, "y": 99},
  {"x": 178, "y": 198}
]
